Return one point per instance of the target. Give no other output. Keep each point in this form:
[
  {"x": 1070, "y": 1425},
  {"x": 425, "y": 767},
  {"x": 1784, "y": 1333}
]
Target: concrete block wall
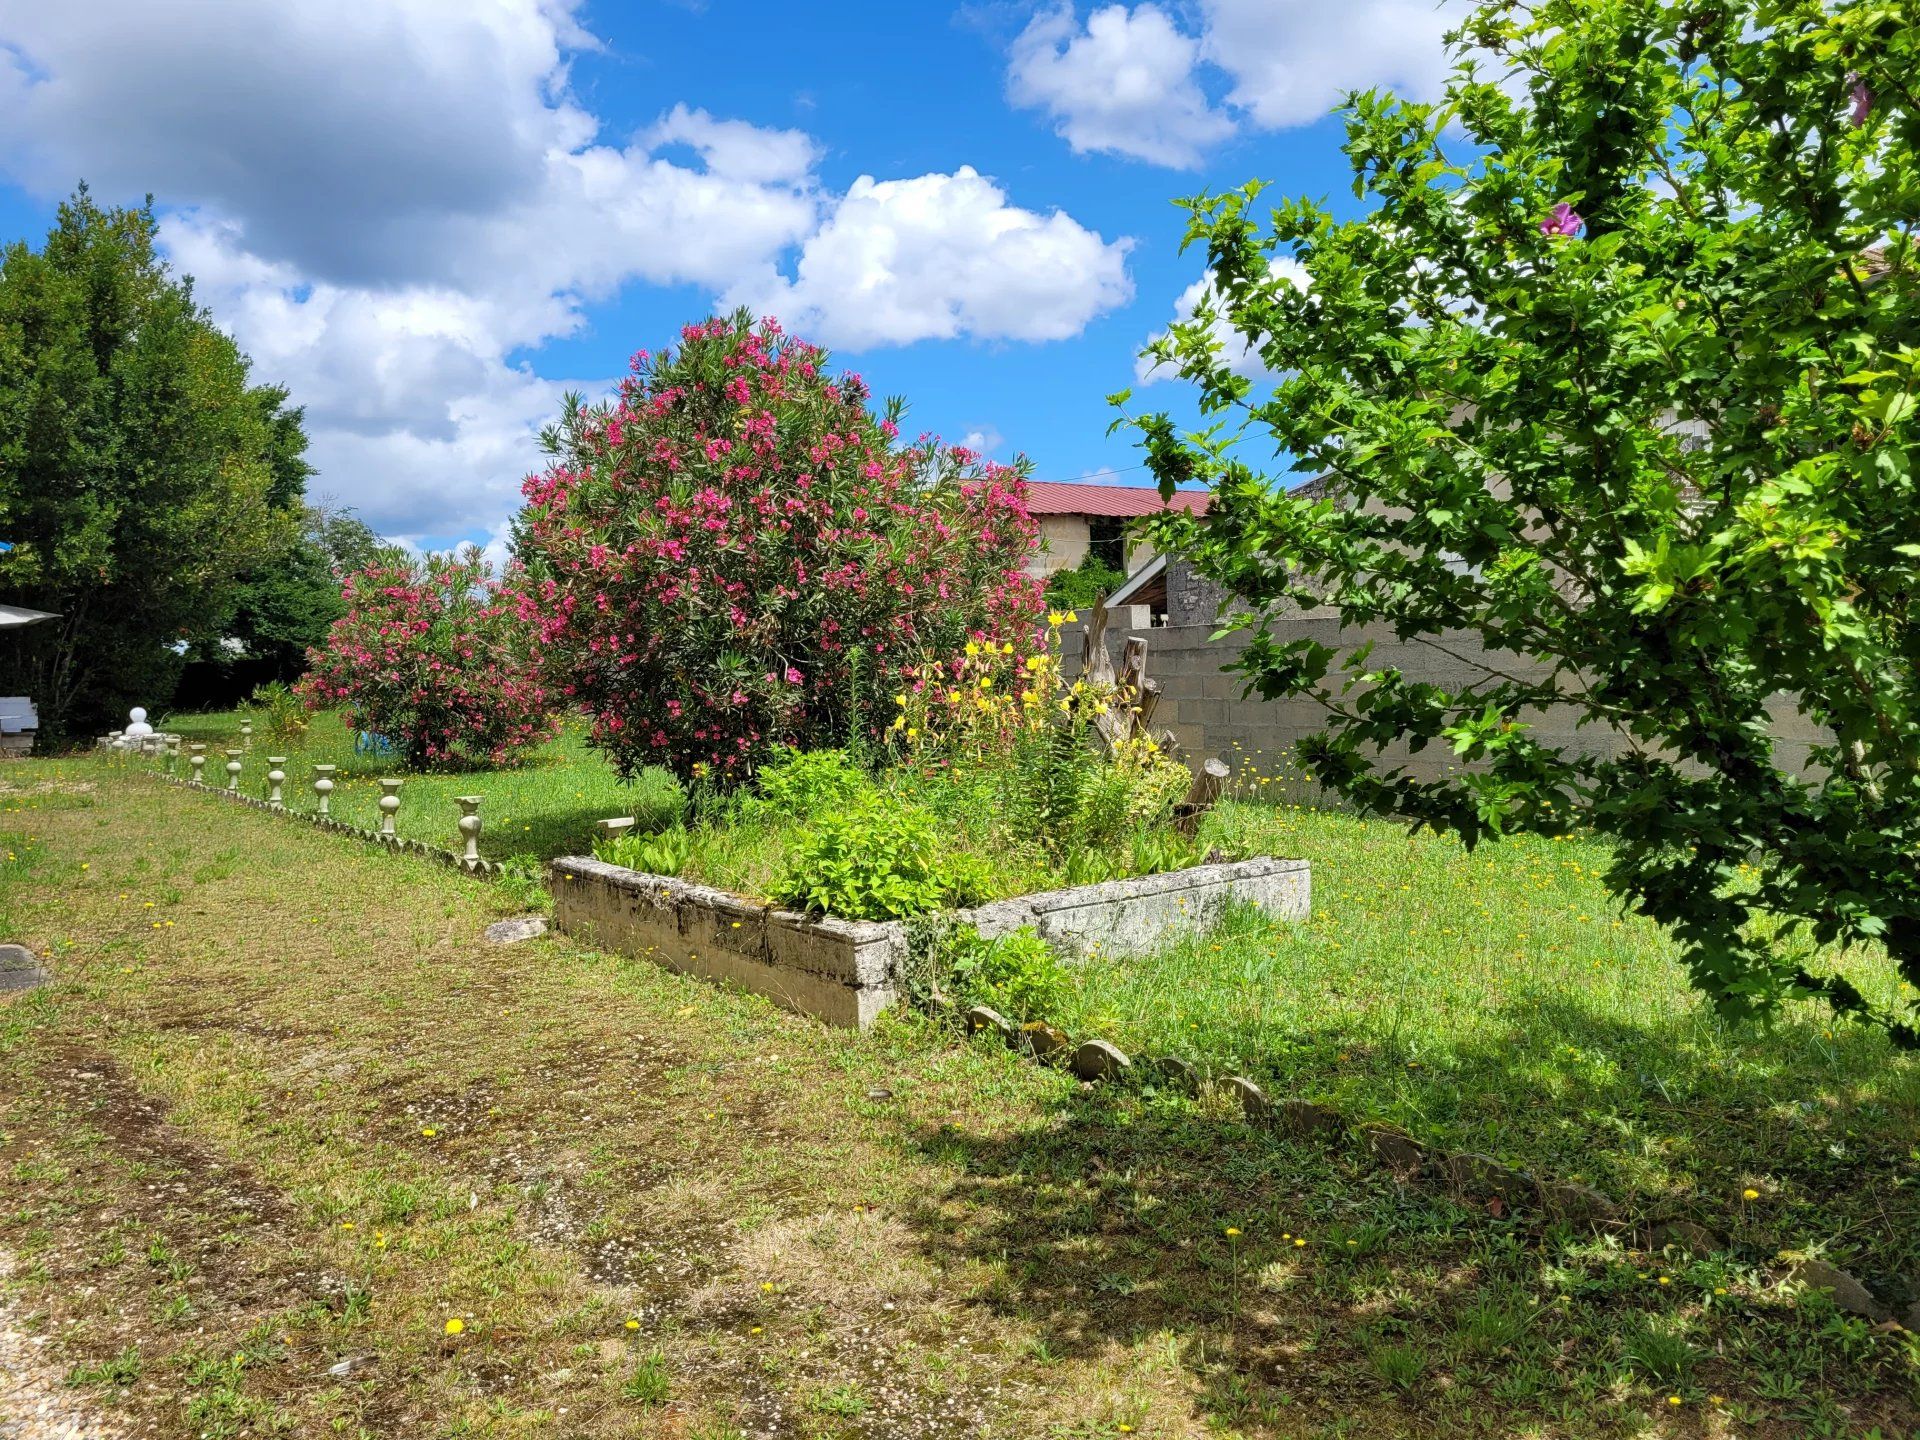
[{"x": 1203, "y": 704}]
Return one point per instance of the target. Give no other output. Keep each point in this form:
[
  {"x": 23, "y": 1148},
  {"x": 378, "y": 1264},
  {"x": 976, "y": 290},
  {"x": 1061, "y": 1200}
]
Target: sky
[{"x": 431, "y": 219}]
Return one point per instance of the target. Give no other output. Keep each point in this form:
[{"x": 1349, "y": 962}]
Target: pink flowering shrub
[
  {"x": 434, "y": 656},
  {"x": 736, "y": 553}
]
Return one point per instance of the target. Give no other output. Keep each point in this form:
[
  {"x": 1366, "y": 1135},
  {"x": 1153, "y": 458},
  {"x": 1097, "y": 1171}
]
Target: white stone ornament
[
  {"x": 233, "y": 769},
  {"x": 323, "y": 786},
  {"x": 469, "y": 829},
  {"x": 389, "y": 803},
  {"x": 137, "y": 722},
  {"x": 276, "y": 777}
]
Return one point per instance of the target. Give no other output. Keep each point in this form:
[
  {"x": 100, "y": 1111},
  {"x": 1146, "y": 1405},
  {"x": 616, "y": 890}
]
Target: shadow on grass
[{"x": 1348, "y": 1303}]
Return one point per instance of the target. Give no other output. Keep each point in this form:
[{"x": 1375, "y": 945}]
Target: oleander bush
[
  {"x": 433, "y": 655},
  {"x": 736, "y": 553}
]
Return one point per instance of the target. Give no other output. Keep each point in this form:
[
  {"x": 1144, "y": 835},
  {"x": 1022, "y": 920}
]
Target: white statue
[{"x": 137, "y": 723}]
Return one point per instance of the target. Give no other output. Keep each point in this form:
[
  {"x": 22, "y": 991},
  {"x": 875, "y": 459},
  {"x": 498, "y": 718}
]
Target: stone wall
[
  {"x": 1204, "y": 706},
  {"x": 847, "y": 972}
]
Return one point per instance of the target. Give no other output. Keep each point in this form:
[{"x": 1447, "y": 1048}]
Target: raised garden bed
[{"x": 847, "y": 972}]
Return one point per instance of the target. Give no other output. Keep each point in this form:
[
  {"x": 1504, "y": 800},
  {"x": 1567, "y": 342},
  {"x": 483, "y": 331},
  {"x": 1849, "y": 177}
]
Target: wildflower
[
  {"x": 1749, "y": 1194},
  {"x": 1232, "y": 1231},
  {"x": 428, "y": 1131},
  {"x": 456, "y": 1325},
  {"x": 633, "y": 1324},
  {"x": 1673, "y": 1399},
  {"x": 1563, "y": 220}
]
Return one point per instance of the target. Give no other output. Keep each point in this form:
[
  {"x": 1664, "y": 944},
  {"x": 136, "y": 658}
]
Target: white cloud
[
  {"x": 1132, "y": 82},
  {"x": 982, "y": 440},
  {"x": 387, "y": 203},
  {"x": 941, "y": 256},
  {"x": 1124, "y": 84},
  {"x": 1291, "y": 61},
  {"x": 1232, "y": 347}
]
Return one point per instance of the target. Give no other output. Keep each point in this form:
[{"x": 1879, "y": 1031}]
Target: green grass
[
  {"x": 1502, "y": 1002},
  {"x": 542, "y": 808},
  {"x": 283, "y": 1109}
]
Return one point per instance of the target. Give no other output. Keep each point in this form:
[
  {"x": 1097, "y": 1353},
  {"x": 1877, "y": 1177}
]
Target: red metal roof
[{"x": 1071, "y": 497}]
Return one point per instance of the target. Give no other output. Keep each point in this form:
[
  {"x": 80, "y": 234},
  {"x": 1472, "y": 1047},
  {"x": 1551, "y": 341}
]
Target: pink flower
[
  {"x": 1562, "y": 221},
  {"x": 1861, "y": 94}
]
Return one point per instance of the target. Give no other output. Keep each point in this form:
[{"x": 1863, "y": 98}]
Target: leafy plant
[
  {"x": 1616, "y": 372},
  {"x": 278, "y": 712},
  {"x": 649, "y": 1384},
  {"x": 877, "y": 862},
  {"x": 1084, "y": 585},
  {"x": 432, "y": 655},
  {"x": 117, "y": 1371},
  {"x": 799, "y": 783},
  {"x": 667, "y": 853},
  {"x": 735, "y": 553},
  {"x": 1017, "y": 974}
]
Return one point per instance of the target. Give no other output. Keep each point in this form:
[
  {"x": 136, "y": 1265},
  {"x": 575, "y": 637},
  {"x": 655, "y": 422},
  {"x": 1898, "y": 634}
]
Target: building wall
[
  {"x": 1203, "y": 705},
  {"x": 1063, "y": 544},
  {"x": 1064, "y": 540}
]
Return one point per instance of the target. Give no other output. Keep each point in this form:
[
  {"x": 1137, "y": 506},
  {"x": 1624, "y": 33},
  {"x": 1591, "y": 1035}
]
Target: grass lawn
[
  {"x": 284, "y": 1115},
  {"x": 542, "y": 808}
]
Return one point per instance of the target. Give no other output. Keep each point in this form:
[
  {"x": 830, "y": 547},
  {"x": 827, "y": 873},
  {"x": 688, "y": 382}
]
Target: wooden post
[{"x": 1201, "y": 795}]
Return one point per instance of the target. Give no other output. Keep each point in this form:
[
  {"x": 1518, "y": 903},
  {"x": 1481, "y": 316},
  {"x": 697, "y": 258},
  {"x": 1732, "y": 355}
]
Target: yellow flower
[
  {"x": 1073, "y": 617},
  {"x": 633, "y": 1324},
  {"x": 766, "y": 1287},
  {"x": 428, "y": 1131},
  {"x": 1006, "y": 647},
  {"x": 1673, "y": 1399},
  {"x": 1232, "y": 1231},
  {"x": 456, "y": 1325},
  {"x": 1055, "y": 618},
  {"x": 1750, "y": 1194},
  {"x": 973, "y": 647},
  {"x": 901, "y": 698}
]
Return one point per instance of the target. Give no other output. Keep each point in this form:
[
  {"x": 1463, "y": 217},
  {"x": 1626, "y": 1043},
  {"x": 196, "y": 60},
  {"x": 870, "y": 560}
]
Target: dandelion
[
  {"x": 456, "y": 1325},
  {"x": 428, "y": 1131},
  {"x": 1233, "y": 1232},
  {"x": 1749, "y": 1194},
  {"x": 633, "y": 1324}
]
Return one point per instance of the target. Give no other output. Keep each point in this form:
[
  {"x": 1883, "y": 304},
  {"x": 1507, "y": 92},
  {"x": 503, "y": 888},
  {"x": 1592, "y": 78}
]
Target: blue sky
[{"x": 429, "y": 218}]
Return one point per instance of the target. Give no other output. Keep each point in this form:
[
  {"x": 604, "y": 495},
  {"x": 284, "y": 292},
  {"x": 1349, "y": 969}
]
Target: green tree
[
  {"x": 284, "y": 608},
  {"x": 1617, "y": 376},
  {"x": 140, "y": 473}
]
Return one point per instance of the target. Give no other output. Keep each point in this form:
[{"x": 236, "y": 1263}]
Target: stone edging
[
  {"x": 1479, "y": 1181},
  {"x": 487, "y": 868}
]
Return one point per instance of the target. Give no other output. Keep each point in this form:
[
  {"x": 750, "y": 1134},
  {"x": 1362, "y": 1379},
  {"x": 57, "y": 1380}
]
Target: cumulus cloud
[
  {"x": 1132, "y": 82},
  {"x": 389, "y": 204},
  {"x": 941, "y": 256},
  {"x": 1232, "y": 347},
  {"x": 1124, "y": 84},
  {"x": 1291, "y": 60}
]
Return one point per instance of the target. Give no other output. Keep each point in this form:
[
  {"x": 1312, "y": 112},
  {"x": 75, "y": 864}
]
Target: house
[{"x": 1079, "y": 519}]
